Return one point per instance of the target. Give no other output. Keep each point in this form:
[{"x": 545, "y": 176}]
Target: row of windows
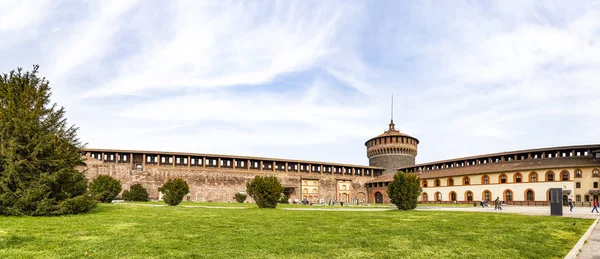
[
  {"x": 578, "y": 185},
  {"x": 229, "y": 163},
  {"x": 507, "y": 195},
  {"x": 498, "y": 159},
  {"x": 517, "y": 178}
]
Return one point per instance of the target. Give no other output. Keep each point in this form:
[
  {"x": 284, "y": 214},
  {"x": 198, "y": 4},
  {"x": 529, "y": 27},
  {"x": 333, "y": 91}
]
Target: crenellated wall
[{"x": 220, "y": 185}]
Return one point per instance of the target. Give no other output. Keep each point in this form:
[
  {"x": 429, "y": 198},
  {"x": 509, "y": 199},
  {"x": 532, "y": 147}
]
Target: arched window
[
  {"x": 305, "y": 190},
  {"x": 466, "y": 180},
  {"x": 564, "y": 175},
  {"x": 450, "y": 182},
  {"x": 533, "y": 177},
  {"x": 437, "y": 182},
  {"x": 550, "y": 176},
  {"x": 469, "y": 196},
  {"x": 438, "y": 196},
  {"x": 487, "y": 195},
  {"x": 595, "y": 172},
  {"x": 424, "y": 196},
  {"x": 485, "y": 179},
  {"x": 578, "y": 173},
  {"x": 518, "y": 178},
  {"x": 424, "y": 183},
  {"x": 508, "y": 196},
  {"x": 314, "y": 190},
  {"x": 529, "y": 195},
  {"x": 502, "y": 178}
]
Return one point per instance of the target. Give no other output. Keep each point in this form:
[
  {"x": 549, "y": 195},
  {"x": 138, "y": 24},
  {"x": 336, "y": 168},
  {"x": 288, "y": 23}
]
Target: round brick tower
[{"x": 392, "y": 150}]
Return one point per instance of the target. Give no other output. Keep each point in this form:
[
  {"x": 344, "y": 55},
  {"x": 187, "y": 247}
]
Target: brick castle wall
[{"x": 214, "y": 184}]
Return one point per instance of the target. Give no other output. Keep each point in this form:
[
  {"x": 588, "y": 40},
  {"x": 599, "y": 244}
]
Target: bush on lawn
[
  {"x": 284, "y": 199},
  {"x": 174, "y": 190},
  {"x": 136, "y": 192},
  {"x": 404, "y": 190},
  {"x": 266, "y": 191},
  {"x": 105, "y": 188},
  {"x": 240, "y": 197}
]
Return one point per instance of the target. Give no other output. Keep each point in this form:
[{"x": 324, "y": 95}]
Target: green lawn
[
  {"x": 253, "y": 205},
  {"x": 135, "y": 231}
]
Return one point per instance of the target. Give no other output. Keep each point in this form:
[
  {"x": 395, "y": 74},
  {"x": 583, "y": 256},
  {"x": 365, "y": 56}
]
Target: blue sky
[{"x": 313, "y": 80}]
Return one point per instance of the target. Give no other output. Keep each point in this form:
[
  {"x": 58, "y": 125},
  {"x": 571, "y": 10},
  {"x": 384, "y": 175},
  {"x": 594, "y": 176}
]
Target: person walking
[
  {"x": 595, "y": 206},
  {"x": 571, "y": 204},
  {"x": 497, "y": 204}
]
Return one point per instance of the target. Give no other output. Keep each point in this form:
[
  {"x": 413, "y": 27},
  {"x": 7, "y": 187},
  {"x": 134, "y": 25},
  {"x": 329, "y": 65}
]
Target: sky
[{"x": 313, "y": 80}]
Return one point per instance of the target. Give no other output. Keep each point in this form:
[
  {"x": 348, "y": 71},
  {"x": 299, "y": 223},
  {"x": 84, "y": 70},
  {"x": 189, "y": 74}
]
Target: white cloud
[
  {"x": 269, "y": 79},
  {"x": 20, "y": 14}
]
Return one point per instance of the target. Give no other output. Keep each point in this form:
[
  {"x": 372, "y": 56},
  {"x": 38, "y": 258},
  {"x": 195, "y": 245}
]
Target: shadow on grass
[{"x": 14, "y": 241}]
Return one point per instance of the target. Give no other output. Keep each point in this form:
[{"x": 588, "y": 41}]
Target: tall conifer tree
[{"x": 38, "y": 151}]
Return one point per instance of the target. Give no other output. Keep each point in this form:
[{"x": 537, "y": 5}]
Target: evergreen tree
[
  {"x": 404, "y": 190},
  {"x": 38, "y": 151},
  {"x": 105, "y": 188},
  {"x": 174, "y": 190},
  {"x": 266, "y": 191},
  {"x": 136, "y": 192}
]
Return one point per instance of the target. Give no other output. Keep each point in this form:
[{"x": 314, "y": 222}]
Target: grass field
[
  {"x": 135, "y": 231},
  {"x": 337, "y": 206}
]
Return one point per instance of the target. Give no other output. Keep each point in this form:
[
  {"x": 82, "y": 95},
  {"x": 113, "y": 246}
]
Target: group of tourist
[{"x": 595, "y": 204}]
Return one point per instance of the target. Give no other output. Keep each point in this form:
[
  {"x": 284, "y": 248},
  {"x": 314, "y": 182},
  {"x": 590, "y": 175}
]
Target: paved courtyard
[{"x": 578, "y": 212}]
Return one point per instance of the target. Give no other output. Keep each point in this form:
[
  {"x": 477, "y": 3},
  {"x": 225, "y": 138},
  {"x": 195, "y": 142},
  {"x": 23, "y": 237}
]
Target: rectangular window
[
  {"x": 578, "y": 198},
  {"x": 170, "y": 160},
  {"x": 148, "y": 159},
  {"x": 155, "y": 159},
  {"x": 596, "y": 185},
  {"x": 587, "y": 198},
  {"x": 193, "y": 161},
  {"x": 185, "y": 161},
  {"x": 578, "y": 185},
  {"x": 178, "y": 160},
  {"x": 124, "y": 158},
  {"x": 162, "y": 159}
]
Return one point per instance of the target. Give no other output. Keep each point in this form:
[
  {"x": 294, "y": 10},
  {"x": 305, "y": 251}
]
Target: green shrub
[
  {"x": 266, "y": 191},
  {"x": 105, "y": 188},
  {"x": 76, "y": 205},
  {"x": 404, "y": 190},
  {"x": 284, "y": 199},
  {"x": 174, "y": 190},
  {"x": 136, "y": 192},
  {"x": 240, "y": 197},
  {"x": 39, "y": 151}
]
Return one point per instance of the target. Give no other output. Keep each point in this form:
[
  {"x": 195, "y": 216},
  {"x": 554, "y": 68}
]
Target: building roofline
[
  {"x": 591, "y": 146},
  {"x": 226, "y": 156}
]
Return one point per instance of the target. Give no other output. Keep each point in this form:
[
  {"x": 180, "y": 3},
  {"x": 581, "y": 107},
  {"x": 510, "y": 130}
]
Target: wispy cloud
[{"x": 312, "y": 80}]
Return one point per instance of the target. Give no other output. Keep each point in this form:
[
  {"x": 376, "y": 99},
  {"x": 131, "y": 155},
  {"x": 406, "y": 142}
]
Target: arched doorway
[
  {"x": 378, "y": 197},
  {"x": 361, "y": 197},
  {"x": 565, "y": 200}
]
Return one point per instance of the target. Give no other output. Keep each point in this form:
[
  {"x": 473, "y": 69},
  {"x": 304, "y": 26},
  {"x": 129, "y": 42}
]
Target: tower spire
[{"x": 392, "y": 118}]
